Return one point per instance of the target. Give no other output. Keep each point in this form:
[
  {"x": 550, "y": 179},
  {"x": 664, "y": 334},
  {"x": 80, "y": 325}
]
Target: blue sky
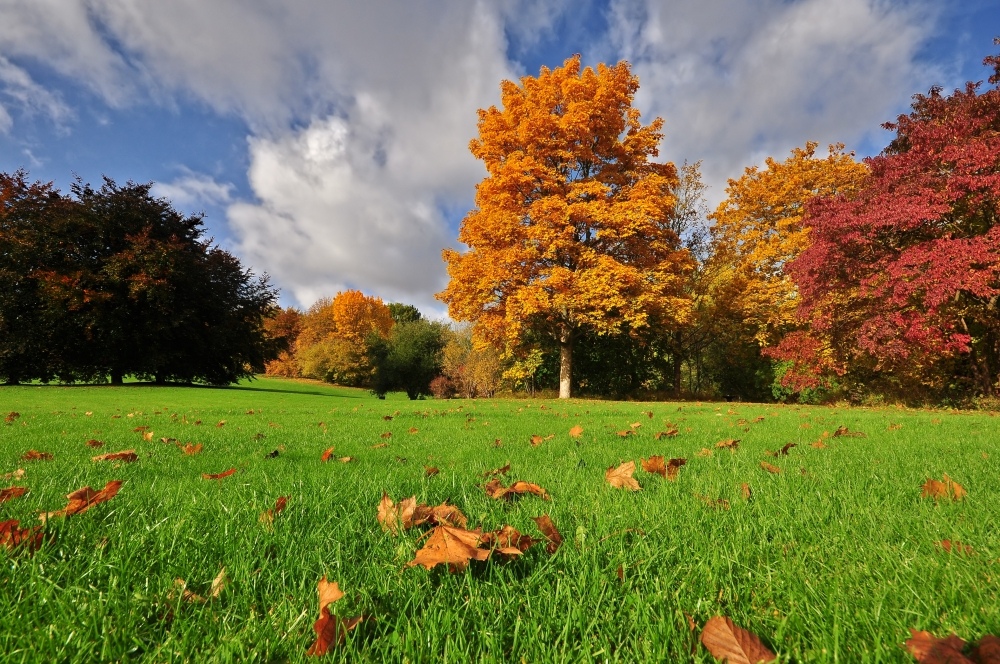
[{"x": 326, "y": 141}]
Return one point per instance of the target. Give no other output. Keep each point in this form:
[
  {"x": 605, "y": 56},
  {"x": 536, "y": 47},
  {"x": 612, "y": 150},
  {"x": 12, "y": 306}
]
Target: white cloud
[
  {"x": 17, "y": 85},
  {"x": 738, "y": 81},
  {"x": 193, "y": 191}
]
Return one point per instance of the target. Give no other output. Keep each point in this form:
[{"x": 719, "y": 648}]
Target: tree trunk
[
  {"x": 116, "y": 377},
  {"x": 159, "y": 379},
  {"x": 677, "y": 376},
  {"x": 565, "y": 364}
]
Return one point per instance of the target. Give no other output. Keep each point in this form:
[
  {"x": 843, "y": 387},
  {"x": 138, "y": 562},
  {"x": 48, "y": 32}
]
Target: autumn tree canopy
[
  {"x": 571, "y": 229},
  {"x": 905, "y": 274}
]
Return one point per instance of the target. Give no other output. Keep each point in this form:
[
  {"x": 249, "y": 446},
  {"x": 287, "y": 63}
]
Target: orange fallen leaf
[
  {"x": 94, "y": 443},
  {"x": 148, "y": 436},
  {"x": 414, "y": 430},
  {"x": 720, "y": 503},
  {"x": 759, "y": 418},
  {"x": 387, "y": 418},
  {"x": 621, "y": 477},
  {"x": 725, "y": 641},
  {"x": 769, "y": 468},
  {"x": 502, "y": 470},
  {"x": 654, "y": 464},
  {"x": 83, "y": 499},
  {"x": 14, "y": 474},
  {"x": 497, "y": 491},
  {"x": 380, "y": 446},
  {"x": 669, "y": 433},
  {"x": 221, "y": 424},
  {"x": 218, "y": 585},
  {"x": 33, "y": 455},
  {"x": 624, "y": 434},
  {"x": 267, "y": 516},
  {"x": 536, "y": 440},
  {"x": 958, "y": 547},
  {"x": 218, "y": 476},
  {"x": 346, "y": 459},
  {"x": 12, "y": 537},
  {"x": 745, "y": 490},
  {"x": 327, "y": 454},
  {"x": 705, "y": 452},
  {"x": 508, "y": 542},
  {"x": 783, "y": 451},
  {"x": 141, "y": 429},
  {"x": 895, "y": 427},
  {"x": 843, "y": 431},
  {"x": 635, "y": 425},
  {"x": 12, "y": 492},
  {"x": 729, "y": 444},
  {"x": 928, "y": 649},
  {"x": 550, "y": 531},
  {"x": 819, "y": 445},
  {"x": 945, "y": 488},
  {"x": 394, "y": 517},
  {"x": 11, "y": 416},
  {"x": 576, "y": 431},
  {"x": 387, "y": 434},
  {"x": 452, "y": 546},
  {"x": 330, "y": 630},
  {"x": 497, "y": 443},
  {"x": 431, "y": 471},
  {"x": 127, "y": 456},
  {"x": 191, "y": 449}
]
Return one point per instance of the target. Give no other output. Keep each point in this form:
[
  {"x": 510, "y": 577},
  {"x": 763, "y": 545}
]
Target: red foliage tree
[{"x": 905, "y": 275}]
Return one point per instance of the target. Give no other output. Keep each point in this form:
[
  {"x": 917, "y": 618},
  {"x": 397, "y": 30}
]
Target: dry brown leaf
[
  {"x": 387, "y": 418},
  {"x": 819, "y": 445},
  {"x": 394, "y": 517},
  {"x": 218, "y": 585},
  {"x": 127, "y": 456},
  {"x": 508, "y": 542},
  {"x": 669, "y": 433},
  {"x": 267, "y": 516},
  {"x": 673, "y": 467},
  {"x": 576, "y": 431},
  {"x": 83, "y": 499},
  {"x": 759, "y": 418},
  {"x": 218, "y": 476},
  {"x": 719, "y": 503},
  {"x": 783, "y": 451},
  {"x": 550, "y": 531},
  {"x": 414, "y": 430},
  {"x": 452, "y": 546},
  {"x": 957, "y": 546},
  {"x": 536, "y": 440},
  {"x": 987, "y": 651},
  {"x": 945, "y": 488},
  {"x": 725, "y": 641},
  {"x": 95, "y": 443},
  {"x": 330, "y": 630},
  {"x": 380, "y": 446},
  {"x": 11, "y": 416},
  {"x": 654, "y": 464},
  {"x": 729, "y": 444},
  {"x": 431, "y": 471},
  {"x": 346, "y": 459},
  {"x": 34, "y": 455},
  {"x": 621, "y": 477},
  {"x": 13, "y": 537},
  {"x": 705, "y": 452},
  {"x": 769, "y": 468},
  {"x": 928, "y": 649},
  {"x": 497, "y": 443},
  {"x": 387, "y": 435},
  {"x": 148, "y": 436},
  {"x": 745, "y": 490},
  {"x": 502, "y": 470},
  {"x": 327, "y": 453},
  {"x": 494, "y": 489},
  {"x": 12, "y": 492},
  {"x": 843, "y": 431},
  {"x": 14, "y": 474},
  {"x": 635, "y": 425},
  {"x": 895, "y": 427},
  {"x": 141, "y": 429},
  {"x": 191, "y": 449},
  {"x": 221, "y": 424},
  {"x": 624, "y": 434}
]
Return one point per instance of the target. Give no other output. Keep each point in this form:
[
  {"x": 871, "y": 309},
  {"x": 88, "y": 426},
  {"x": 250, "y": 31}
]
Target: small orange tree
[{"x": 571, "y": 228}]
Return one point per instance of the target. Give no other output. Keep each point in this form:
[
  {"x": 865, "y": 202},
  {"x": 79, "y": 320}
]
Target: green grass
[{"x": 830, "y": 561}]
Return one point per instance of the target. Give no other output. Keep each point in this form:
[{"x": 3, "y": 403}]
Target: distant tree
[
  {"x": 571, "y": 230},
  {"x": 409, "y": 359},
  {"x": 473, "y": 369},
  {"x": 404, "y": 313},
  {"x": 284, "y": 327}
]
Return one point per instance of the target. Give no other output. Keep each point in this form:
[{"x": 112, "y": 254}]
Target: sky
[{"x": 326, "y": 141}]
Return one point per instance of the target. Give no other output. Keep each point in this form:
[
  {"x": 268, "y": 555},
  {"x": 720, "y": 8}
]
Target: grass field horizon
[{"x": 831, "y": 560}]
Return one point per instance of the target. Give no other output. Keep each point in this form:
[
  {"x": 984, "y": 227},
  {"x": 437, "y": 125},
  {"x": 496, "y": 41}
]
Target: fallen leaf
[
  {"x": 221, "y": 424},
  {"x": 550, "y": 531},
  {"x": 431, "y": 471},
  {"x": 759, "y": 418},
  {"x": 452, "y": 546},
  {"x": 654, "y": 464},
  {"x": 327, "y": 454},
  {"x": 987, "y": 651},
  {"x": 713, "y": 502},
  {"x": 12, "y": 537},
  {"x": 669, "y": 433},
  {"x": 387, "y": 434},
  {"x": 394, "y": 517},
  {"x": 673, "y": 467},
  {"x": 635, "y": 425},
  {"x": 843, "y": 431},
  {"x": 729, "y": 444},
  {"x": 783, "y": 451},
  {"x": 819, "y": 445},
  {"x": 387, "y": 418},
  {"x": 330, "y": 630},
  {"x": 218, "y": 585},
  {"x": 14, "y": 474},
  {"x": 127, "y": 456},
  {"x": 346, "y": 459},
  {"x": 148, "y": 436},
  {"x": 895, "y": 427},
  {"x": 945, "y": 488},
  {"x": 267, "y": 516},
  {"x": 705, "y": 452},
  {"x": 536, "y": 440},
  {"x": 141, "y": 429},
  {"x": 928, "y": 649},
  {"x": 502, "y": 470},
  {"x": 94, "y": 443},
  {"x": 958, "y": 547},
  {"x": 11, "y": 416},
  {"x": 218, "y": 476},
  {"x": 414, "y": 430},
  {"x": 624, "y": 434},
  {"x": 272, "y": 455},
  {"x": 12, "y": 492},
  {"x": 769, "y": 468},
  {"x": 745, "y": 489},
  {"x": 497, "y": 443},
  {"x": 83, "y": 499},
  {"x": 497, "y": 491},
  {"x": 508, "y": 542},
  {"x": 380, "y": 446},
  {"x": 576, "y": 431},
  {"x": 33, "y": 455},
  {"x": 621, "y": 477},
  {"x": 191, "y": 449},
  {"x": 725, "y": 641}
]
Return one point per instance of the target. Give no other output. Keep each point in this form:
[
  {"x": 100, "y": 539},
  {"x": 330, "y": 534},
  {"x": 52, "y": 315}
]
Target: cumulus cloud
[
  {"x": 193, "y": 190},
  {"x": 21, "y": 90},
  {"x": 738, "y": 81}
]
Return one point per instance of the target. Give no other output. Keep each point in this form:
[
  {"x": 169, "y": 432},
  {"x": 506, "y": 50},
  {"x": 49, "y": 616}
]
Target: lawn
[{"x": 830, "y": 560}]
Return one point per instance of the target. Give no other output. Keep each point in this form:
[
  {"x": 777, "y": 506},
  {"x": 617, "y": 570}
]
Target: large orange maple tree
[{"x": 571, "y": 229}]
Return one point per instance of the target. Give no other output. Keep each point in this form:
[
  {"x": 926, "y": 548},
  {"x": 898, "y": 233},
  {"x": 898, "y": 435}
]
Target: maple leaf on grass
[
  {"x": 956, "y": 546},
  {"x": 95, "y": 443},
  {"x": 783, "y": 451},
  {"x": 83, "y": 499},
  {"x": 735, "y": 645},
  {"x": 380, "y": 446},
  {"x": 536, "y": 440},
  {"x": 621, "y": 477},
  {"x": 502, "y": 470},
  {"x": 14, "y": 474},
  {"x": 218, "y": 476},
  {"x": 844, "y": 432},
  {"x": 943, "y": 488},
  {"x": 394, "y": 517},
  {"x": 326, "y": 454},
  {"x": 218, "y": 585},
  {"x": 431, "y": 471},
  {"x": 745, "y": 490},
  {"x": 330, "y": 630},
  {"x": 11, "y": 416},
  {"x": 669, "y": 433},
  {"x": 128, "y": 456},
  {"x": 494, "y": 489},
  {"x": 12, "y": 536},
  {"x": 576, "y": 431},
  {"x": 928, "y": 649},
  {"x": 550, "y": 531},
  {"x": 34, "y": 455},
  {"x": 191, "y": 449},
  {"x": 12, "y": 492},
  {"x": 452, "y": 546},
  {"x": 508, "y": 542},
  {"x": 729, "y": 444},
  {"x": 625, "y": 433},
  {"x": 267, "y": 516},
  {"x": 769, "y": 468}
]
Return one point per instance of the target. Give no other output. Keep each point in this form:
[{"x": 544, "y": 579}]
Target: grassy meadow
[{"x": 832, "y": 560}]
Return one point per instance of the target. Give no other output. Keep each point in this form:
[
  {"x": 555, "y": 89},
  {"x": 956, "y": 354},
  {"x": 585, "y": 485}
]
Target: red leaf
[
  {"x": 13, "y": 537},
  {"x": 127, "y": 456},
  {"x": 33, "y": 455},
  {"x": 548, "y": 529},
  {"x": 83, "y": 499},
  {"x": 330, "y": 630},
  {"x": 12, "y": 492},
  {"x": 327, "y": 454},
  {"x": 218, "y": 476}
]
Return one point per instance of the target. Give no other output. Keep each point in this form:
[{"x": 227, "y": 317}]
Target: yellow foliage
[
  {"x": 758, "y": 230},
  {"x": 572, "y": 223}
]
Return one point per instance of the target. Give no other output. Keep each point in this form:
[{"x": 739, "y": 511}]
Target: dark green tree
[
  {"x": 409, "y": 359},
  {"x": 404, "y": 313}
]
